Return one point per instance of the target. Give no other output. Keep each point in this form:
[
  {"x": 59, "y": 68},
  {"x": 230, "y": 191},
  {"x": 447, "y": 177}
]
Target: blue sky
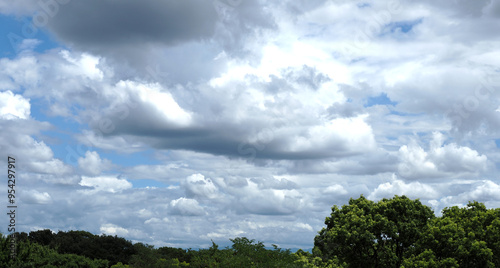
[{"x": 178, "y": 124}]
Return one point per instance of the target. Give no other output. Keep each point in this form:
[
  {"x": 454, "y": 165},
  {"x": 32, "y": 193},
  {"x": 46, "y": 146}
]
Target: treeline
[
  {"x": 82, "y": 249},
  {"x": 396, "y": 232}
]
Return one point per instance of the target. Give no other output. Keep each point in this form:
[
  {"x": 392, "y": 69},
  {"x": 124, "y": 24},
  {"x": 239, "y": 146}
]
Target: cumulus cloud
[
  {"x": 36, "y": 197},
  {"x": 106, "y": 183},
  {"x": 440, "y": 161},
  {"x": 271, "y": 202},
  {"x": 335, "y": 189},
  {"x": 485, "y": 190},
  {"x": 186, "y": 207},
  {"x": 35, "y": 155},
  {"x": 398, "y": 187},
  {"x": 52, "y": 166},
  {"x": 92, "y": 164},
  {"x": 198, "y": 186},
  {"x": 13, "y": 106},
  {"x": 111, "y": 229}
]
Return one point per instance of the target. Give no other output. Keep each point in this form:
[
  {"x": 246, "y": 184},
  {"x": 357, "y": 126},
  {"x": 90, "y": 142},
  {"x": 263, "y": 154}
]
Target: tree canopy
[{"x": 400, "y": 232}]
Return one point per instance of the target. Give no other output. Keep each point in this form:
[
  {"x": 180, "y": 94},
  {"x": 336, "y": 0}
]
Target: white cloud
[
  {"x": 92, "y": 164},
  {"x": 106, "y": 183},
  {"x": 440, "y": 161},
  {"x": 335, "y": 189},
  {"x": 163, "y": 102},
  {"x": 52, "y": 166},
  {"x": 198, "y": 186},
  {"x": 111, "y": 229},
  {"x": 399, "y": 187},
  {"x": 186, "y": 207},
  {"x": 256, "y": 200},
  {"x": 346, "y": 135},
  {"x": 86, "y": 65},
  {"x": 486, "y": 191},
  {"x": 36, "y": 197},
  {"x": 13, "y": 106}
]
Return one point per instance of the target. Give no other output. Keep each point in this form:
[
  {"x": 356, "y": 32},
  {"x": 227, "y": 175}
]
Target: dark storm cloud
[{"x": 96, "y": 23}]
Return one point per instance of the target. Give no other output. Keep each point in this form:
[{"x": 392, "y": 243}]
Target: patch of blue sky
[
  {"x": 403, "y": 26},
  {"x": 61, "y": 140},
  {"x": 497, "y": 142},
  {"x": 132, "y": 159},
  {"x": 13, "y": 30},
  {"x": 399, "y": 113},
  {"x": 62, "y": 133},
  {"x": 363, "y": 5},
  {"x": 143, "y": 183},
  {"x": 381, "y": 99},
  {"x": 8, "y": 25}
]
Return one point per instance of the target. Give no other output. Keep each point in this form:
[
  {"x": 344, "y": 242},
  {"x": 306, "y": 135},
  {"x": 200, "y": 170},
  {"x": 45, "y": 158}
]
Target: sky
[{"x": 178, "y": 123}]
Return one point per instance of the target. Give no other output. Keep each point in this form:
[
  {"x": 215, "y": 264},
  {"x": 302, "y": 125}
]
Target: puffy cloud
[
  {"x": 485, "y": 190},
  {"x": 92, "y": 164},
  {"x": 335, "y": 189},
  {"x": 111, "y": 229},
  {"x": 198, "y": 186},
  {"x": 186, "y": 207},
  {"x": 143, "y": 107},
  {"x": 399, "y": 187},
  {"x": 52, "y": 166},
  {"x": 36, "y": 156},
  {"x": 35, "y": 197},
  {"x": 272, "y": 202},
  {"x": 461, "y": 192},
  {"x": 13, "y": 106},
  {"x": 440, "y": 161},
  {"x": 252, "y": 198},
  {"x": 106, "y": 183}
]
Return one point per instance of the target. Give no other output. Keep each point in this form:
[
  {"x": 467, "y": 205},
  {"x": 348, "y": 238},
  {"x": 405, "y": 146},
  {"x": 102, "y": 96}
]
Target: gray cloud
[{"x": 93, "y": 25}]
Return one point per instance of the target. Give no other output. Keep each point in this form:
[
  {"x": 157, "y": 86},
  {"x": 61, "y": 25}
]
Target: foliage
[
  {"x": 35, "y": 255},
  {"x": 468, "y": 235},
  {"x": 400, "y": 232},
  {"x": 112, "y": 248},
  {"x": 244, "y": 253}
]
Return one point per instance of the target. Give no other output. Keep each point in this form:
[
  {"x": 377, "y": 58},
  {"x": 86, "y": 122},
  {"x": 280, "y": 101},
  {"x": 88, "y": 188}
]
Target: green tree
[
  {"x": 180, "y": 254},
  {"x": 112, "y": 248},
  {"x": 146, "y": 256},
  {"x": 42, "y": 237},
  {"x": 369, "y": 234},
  {"x": 467, "y": 235},
  {"x": 34, "y": 255}
]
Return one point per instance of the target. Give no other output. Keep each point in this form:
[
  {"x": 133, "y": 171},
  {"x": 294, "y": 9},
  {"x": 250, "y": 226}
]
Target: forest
[{"x": 395, "y": 232}]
